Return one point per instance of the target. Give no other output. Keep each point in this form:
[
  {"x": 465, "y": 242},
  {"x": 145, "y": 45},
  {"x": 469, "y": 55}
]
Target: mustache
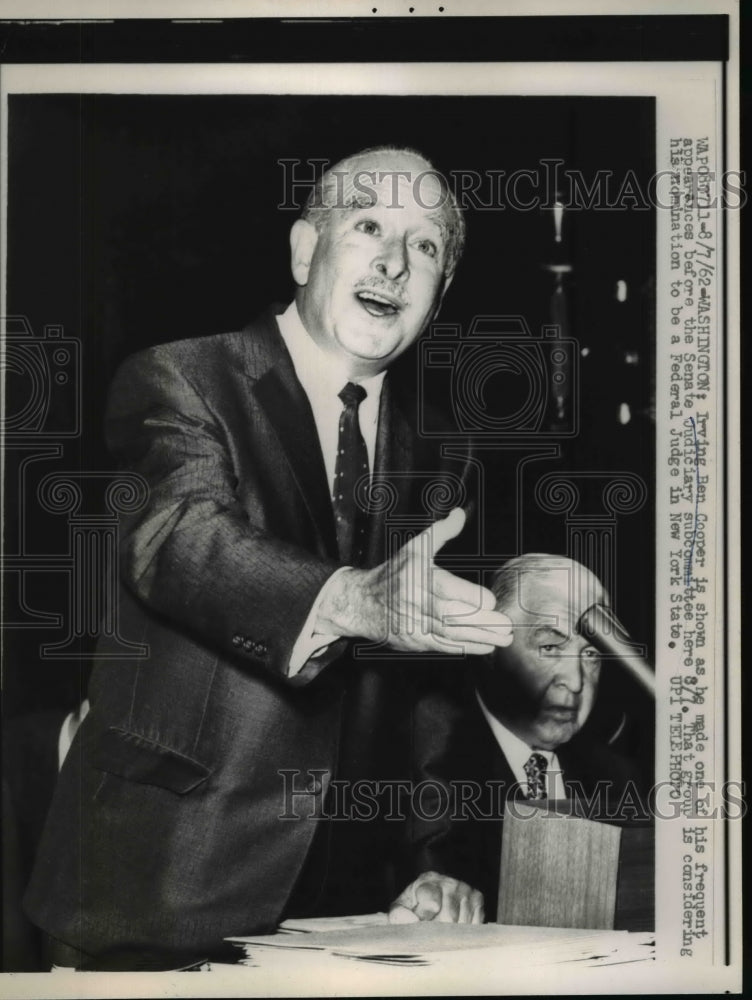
[{"x": 376, "y": 283}]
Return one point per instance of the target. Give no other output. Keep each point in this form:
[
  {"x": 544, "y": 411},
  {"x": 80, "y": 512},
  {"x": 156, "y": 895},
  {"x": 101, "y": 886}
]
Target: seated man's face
[{"x": 543, "y": 685}]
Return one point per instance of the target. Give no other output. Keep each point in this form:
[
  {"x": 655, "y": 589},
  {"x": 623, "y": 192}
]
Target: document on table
[{"x": 429, "y": 943}]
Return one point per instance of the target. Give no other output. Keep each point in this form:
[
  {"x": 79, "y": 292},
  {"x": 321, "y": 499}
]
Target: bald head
[
  {"x": 543, "y": 685},
  {"x": 385, "y": 173},
  {"x": 530, "y": 581}
]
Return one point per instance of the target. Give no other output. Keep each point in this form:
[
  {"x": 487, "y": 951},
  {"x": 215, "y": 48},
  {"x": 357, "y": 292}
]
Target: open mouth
[
  {"x": 560, "y": 714},
  {"x": 377, "y": 304}
]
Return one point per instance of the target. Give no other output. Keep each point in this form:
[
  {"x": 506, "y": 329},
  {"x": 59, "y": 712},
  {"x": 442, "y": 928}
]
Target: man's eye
[
  {"x": 427, "y": 247},
  {"x": 368, "y": 226},
  {"x": 591, "y": 654},
  {"x": 549, "y": 649}
]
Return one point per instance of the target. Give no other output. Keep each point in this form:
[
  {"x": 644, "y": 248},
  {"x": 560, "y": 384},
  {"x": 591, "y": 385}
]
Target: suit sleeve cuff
[{"x": 309, "y": 643}]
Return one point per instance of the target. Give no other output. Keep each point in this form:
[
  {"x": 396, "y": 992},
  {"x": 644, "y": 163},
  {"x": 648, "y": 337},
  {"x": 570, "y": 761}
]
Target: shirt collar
[
  {"x": 318, "y": 372},
  {"x": 516, "y": 751}
]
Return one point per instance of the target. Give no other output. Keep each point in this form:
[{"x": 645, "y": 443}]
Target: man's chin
[
  {"x": 372, "y": 344},
  {"x": 554, "y": 733}
]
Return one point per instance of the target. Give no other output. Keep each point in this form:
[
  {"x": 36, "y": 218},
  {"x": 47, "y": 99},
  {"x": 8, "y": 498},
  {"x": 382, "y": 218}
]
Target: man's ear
[{"x": 303, "y": 238}]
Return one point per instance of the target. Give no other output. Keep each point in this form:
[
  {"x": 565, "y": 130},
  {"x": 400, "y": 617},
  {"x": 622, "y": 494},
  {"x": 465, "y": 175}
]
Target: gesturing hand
[
  {"x": 437, "y": 897},
  {"x": 413, "y": 605}
]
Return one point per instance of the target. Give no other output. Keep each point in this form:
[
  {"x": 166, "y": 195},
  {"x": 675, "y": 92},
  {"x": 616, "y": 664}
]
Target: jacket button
[
  {"x": 248, "y": 645},
  {"x": 260, "y": 649},
  {"x": 237, "y": 640},
  {"x": 314, "y": 786}
]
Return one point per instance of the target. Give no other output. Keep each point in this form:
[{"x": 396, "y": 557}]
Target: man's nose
[
  {"x": 570, "y": 672},
  {"x": 391, "y": 261}
]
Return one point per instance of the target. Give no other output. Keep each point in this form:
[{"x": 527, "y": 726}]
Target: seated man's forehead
[
  {"x": 550, "y": 585},
  {"x": 563, "y": 589}
]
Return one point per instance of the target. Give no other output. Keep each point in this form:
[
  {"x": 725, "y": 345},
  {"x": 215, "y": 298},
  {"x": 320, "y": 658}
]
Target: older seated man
[{"x": 518, "y": 724}]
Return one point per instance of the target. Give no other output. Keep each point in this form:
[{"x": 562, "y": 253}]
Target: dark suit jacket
[
  {"x": 457, "y": 749},
  {"x": 165, "y": 829},
  {"x": 30, "y": 767}
]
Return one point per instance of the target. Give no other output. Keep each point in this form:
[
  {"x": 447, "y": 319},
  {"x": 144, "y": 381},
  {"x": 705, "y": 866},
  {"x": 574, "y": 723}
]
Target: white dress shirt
[
  {"x": 322, "y": 378},
  {"x": 517, "y": 753}
]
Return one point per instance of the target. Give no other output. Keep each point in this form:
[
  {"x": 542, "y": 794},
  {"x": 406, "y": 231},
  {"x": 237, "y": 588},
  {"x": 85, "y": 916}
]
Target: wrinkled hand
[
  {"x": 438, "y": 897},
  {"x": 413, "y": 605}
]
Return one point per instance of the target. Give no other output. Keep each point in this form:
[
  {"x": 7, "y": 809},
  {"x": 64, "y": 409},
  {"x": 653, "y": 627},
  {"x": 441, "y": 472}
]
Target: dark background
[{"x": 137, "y": 220}]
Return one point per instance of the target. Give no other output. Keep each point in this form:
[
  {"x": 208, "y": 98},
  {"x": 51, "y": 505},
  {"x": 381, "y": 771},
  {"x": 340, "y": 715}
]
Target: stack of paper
[{"x": 373, "y": 940}]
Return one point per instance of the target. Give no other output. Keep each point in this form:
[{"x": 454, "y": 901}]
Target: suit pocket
[{"x": 140, "y": 759}]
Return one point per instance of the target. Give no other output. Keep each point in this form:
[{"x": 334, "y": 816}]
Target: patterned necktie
[
  {"x": 351, "y": 464},
  {"x": 535, "y": 769}
]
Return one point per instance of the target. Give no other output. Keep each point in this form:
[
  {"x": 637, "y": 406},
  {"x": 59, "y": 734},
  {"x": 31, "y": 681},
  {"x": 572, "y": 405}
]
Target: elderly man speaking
[{"x": 191, "y": 804}]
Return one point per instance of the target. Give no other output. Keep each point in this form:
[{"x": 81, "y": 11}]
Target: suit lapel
[
  {"x": 580, "y": 767},
  {"x": 389, "y": 485},
  {"x": 394, "y": 442},
  {"x": 286, "y": 406}
]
